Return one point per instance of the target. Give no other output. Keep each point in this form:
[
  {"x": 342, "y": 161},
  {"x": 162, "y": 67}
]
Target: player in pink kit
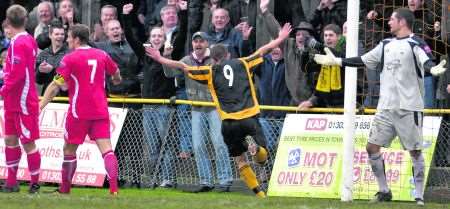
[
  {"x": 82, "y": 73},
  {"x": 20, "y": 101}
]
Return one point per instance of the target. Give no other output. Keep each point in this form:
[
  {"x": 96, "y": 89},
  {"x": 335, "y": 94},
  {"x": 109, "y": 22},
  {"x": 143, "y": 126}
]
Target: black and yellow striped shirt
[{"x": 231, "y": 86}]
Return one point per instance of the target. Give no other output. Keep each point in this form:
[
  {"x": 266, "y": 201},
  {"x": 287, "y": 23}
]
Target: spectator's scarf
[{"x": 329, "y": 79}]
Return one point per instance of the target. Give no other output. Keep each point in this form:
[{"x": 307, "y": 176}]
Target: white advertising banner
[{"x": 90, "y": 167}]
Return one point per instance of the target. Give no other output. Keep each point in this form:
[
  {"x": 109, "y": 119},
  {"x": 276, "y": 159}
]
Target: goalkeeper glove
[
  {"x": 438, "y": 69},
  {"x": 328, "y": 58}
]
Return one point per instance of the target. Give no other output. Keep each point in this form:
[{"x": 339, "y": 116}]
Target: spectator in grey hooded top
[{"x": 204, "y": 116}]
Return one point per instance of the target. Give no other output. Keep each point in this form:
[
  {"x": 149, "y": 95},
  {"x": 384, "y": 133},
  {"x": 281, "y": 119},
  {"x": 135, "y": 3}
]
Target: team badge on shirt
[
  {"x": 16, "y": 60},
  {"x": 427, "y": 49}
]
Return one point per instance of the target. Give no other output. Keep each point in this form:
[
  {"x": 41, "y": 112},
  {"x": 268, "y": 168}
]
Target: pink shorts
[
  {"x": 26, "y": 127},
  {"x": 77, "y": 129}
]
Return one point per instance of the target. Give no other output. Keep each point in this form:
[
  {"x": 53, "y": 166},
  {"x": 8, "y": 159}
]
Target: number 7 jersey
[
  {"x": 231, "y": 86},
  {"x": 84, "y": 72}
]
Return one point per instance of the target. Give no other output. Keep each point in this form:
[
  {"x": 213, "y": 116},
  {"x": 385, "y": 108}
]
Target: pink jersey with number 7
[{"x": 84, "y": 71}]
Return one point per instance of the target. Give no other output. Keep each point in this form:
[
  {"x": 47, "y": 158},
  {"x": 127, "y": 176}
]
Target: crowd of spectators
[{"x": 183, "y": 30}]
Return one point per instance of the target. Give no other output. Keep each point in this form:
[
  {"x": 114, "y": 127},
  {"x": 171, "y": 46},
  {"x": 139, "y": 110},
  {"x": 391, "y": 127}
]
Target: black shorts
[{"x": 235, "y": 131}]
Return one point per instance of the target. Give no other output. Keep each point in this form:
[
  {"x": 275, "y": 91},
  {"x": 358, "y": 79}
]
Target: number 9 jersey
[
  {"x": 83, "y": 71},
  {"x": 231, "y": 86}
]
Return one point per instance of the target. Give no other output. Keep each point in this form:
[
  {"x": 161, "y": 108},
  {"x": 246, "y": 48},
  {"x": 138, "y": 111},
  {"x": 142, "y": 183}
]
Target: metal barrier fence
[
  {"x": 158, "y": 144},
  {"x": 438, "y": 185}
]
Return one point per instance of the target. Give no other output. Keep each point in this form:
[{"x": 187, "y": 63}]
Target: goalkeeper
[{"x": 404, "y": 58}]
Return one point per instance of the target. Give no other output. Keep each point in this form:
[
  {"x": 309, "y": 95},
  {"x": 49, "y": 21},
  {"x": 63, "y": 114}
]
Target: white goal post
[{"x": 350, "y": 101}]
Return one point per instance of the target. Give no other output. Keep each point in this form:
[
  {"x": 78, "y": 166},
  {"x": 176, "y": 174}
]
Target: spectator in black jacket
[
  {"x": 289, "y": 11},
  {"x": 272, "y": 91},
  {"x": 379, "y": 12},
  {"x": 146, "y": 10},
  {"x": 427, "y": 26},
  {"x": 120, "y": 51},
  {"x": 329, "y": 12},
  {"x": 441, "y": 156},
  {"x": 175, "y": 29},
  {"x": 48, "y": 59},
  {"x": 156, "y": 118}
]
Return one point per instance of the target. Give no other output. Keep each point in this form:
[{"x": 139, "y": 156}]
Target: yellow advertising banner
[{"x": 310, "y": 152}]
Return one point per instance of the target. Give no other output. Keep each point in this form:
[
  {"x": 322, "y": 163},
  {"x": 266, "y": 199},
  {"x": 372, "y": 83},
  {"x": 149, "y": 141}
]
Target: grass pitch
[{"x": 87, "y": 198}]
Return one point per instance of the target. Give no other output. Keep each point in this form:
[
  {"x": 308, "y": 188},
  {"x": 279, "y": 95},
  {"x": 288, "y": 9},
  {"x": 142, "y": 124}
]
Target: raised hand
[
  {"x": 69, "y": 17},
  {"x": 437, "y": 26},
  {"x": 263, "y": 5},
  {"x": 372, "y": 15},
  {"x": 285, "y": 31},
  {"x": 127, "y": 8},
  {"x": 98, "y": 31},
  {"x": 182, "y": 5},
  {"x": 246, "y": 31}
]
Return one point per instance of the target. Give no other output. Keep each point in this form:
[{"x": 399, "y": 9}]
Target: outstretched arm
[
  {"x": 135, "y": 44},
  {"x": 156, "y": 55},
  {"x": 283, "y": 34},
  {"x": 329, "y": 59},
  {"x": 51, "y": 91}
]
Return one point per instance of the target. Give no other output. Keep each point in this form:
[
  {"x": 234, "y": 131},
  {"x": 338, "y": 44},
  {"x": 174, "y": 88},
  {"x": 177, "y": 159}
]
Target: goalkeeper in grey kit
[{"x": 404, "y": 58}]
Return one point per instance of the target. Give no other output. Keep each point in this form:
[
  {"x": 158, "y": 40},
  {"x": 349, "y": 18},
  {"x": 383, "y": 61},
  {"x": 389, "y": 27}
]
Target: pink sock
[
  {"x": 12, "y": 155},
  {"x": 68, "y": 170},
  {"x": 111, "y": 169},
  {"x": 34, "y": 164}
]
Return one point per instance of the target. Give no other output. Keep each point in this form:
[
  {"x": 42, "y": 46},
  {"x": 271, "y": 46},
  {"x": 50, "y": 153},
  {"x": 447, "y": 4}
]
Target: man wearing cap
[
  {"x": 299, "y": 77},
  {"x": 197, "y": 91}
]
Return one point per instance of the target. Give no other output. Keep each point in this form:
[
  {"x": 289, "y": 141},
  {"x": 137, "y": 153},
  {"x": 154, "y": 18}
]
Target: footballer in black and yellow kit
[
  {"x": 233, "y": 91},
  {"x": 231, "y": 85}
]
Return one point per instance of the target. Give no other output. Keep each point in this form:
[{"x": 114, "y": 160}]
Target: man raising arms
[{"x": 82, "y": 73}]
